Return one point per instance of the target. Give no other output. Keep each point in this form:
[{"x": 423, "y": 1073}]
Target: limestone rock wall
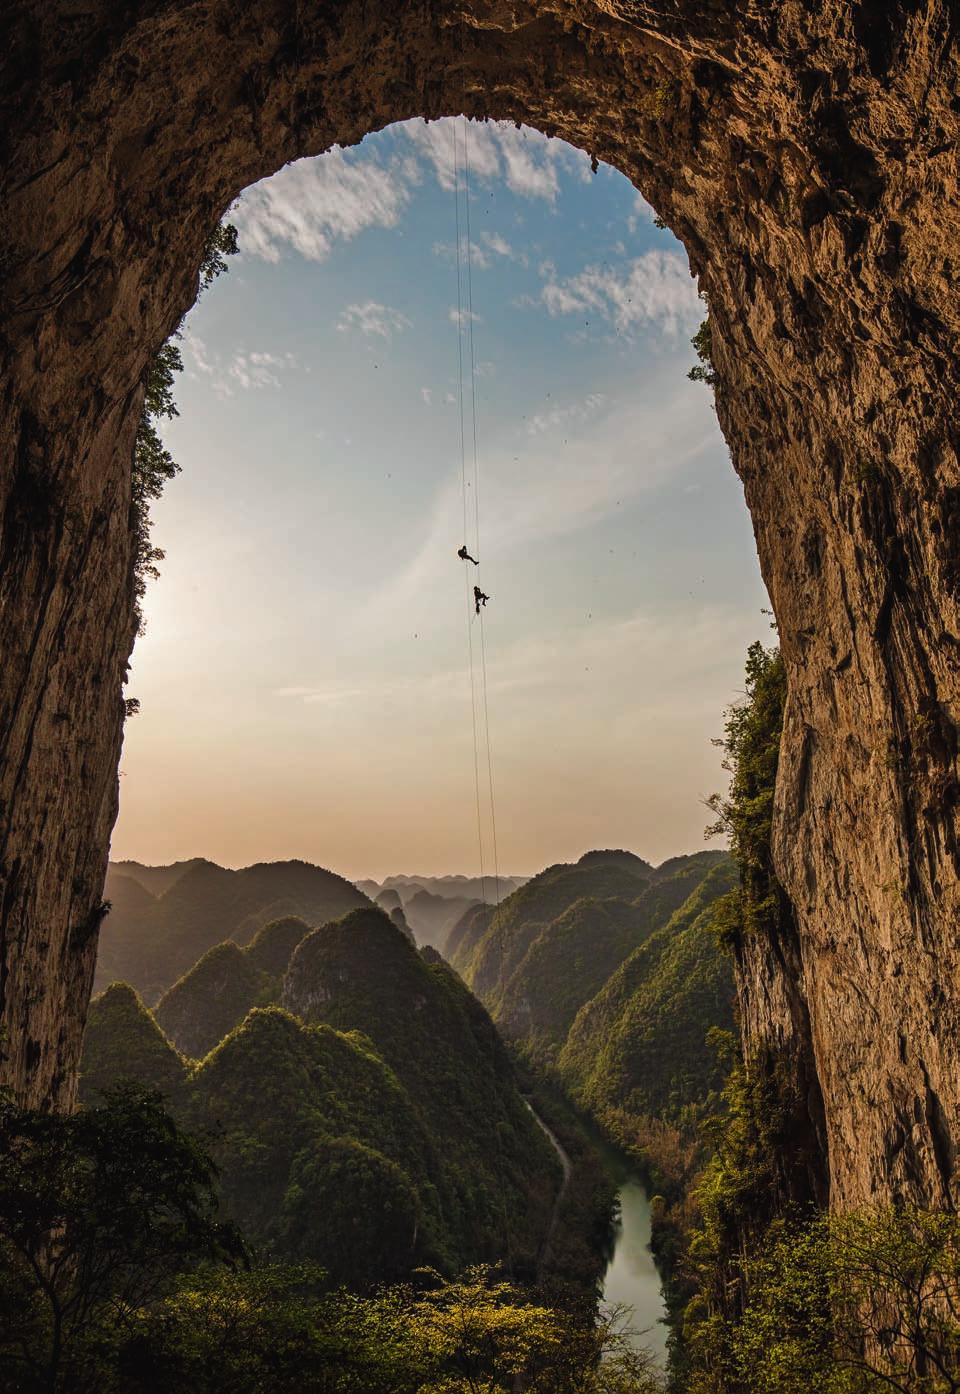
[{"x": 806, "y": 155}]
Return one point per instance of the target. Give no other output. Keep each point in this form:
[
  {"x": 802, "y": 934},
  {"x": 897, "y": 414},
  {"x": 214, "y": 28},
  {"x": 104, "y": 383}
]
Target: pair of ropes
[{"x": 475, "y": 598}]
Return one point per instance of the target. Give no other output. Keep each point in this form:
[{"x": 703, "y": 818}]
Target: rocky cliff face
[{"x": 806, "y": 155}]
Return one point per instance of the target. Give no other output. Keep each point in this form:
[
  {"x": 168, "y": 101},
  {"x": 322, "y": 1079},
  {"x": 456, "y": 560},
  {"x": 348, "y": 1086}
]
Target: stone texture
[{"x": 806, "y": 155}]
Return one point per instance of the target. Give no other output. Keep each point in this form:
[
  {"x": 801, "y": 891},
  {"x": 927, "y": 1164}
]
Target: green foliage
[
  {"x": 98, "y": 1211},
  {"x": 380, "y": 1127},
  {"x": 279, "y": 1331},
  {"x": 845, "y": 1304},
  {"x": 116, "y": 1279},
  {"x": 274, "y": 1330},
  {"x": 498, "y": 1174},
  {"x": 153, "y": 465},
  {"x": 703, "y": 347},
  {"x": 737, "y": 1194},
  {"x": 639, "y": 1047},
  {"x": 351, "y": 1209},
  {"x": 571, "y": 959},
  {"x": 209, "y": 1001},
  {"x": 276, "y": 1093},
  {"x": 271, "y": 947},
  {"x": 751, "y": 746},
  {"x": 123, "y": 1036},
  {"x": 488, "y": 962}
]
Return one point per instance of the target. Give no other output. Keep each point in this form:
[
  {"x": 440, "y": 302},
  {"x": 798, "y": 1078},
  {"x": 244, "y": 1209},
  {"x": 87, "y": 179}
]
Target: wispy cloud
[
  {"x": 463, "y": 317},
  {"x": 448, "y": 252},
  {"x": 529, "y": 163},
  {"x": 653, "y": 289},
  {"x": 371, "y": 317},
  {"x": 587, "y": 668},
  {"x": 498, "y": 245},
  {"x": 609, "y": 457},
  {"x": 244, "y": 370},
  {"x": 574, "y": 414}
]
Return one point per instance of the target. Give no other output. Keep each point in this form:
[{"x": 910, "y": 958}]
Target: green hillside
[
  {"x": 152, "y": 940},
  {"x": 210, "y": 1000},
  {"x": 467, "y": 932},
  {"x": 316, "y": 1140},
  {"x": 640, "y": 1044},
  {"x": 492, "y": 958},
  {"x": 270, "y": 948},
  {"x": 214, "y": 997},
  {"x": 123, "y": 1040},
  {"x": 373, "y": 1124},
  {"x": 570, "y": 959},
  {"x": 361, "y": 974}
]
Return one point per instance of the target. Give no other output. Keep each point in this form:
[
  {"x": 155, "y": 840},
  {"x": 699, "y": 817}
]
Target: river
[{"x": 631, "y": 1280}]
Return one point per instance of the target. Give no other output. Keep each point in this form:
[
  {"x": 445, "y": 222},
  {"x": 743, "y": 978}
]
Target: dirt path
[{"x": 567, "y": 1166}]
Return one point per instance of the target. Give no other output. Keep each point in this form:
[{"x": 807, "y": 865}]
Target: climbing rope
[
  {"x": 463, "y": 489},
  {"x": 466, "y": 279}
]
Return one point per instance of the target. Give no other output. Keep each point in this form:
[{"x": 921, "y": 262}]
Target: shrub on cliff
[{"x": 843, "y": 1304}]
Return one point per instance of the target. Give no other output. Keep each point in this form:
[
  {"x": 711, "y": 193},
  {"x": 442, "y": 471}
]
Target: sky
[{"x": 304, "y": 678}]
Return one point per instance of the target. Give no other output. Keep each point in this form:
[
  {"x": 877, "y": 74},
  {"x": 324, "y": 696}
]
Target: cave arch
[{"x": 807, "y": 162}]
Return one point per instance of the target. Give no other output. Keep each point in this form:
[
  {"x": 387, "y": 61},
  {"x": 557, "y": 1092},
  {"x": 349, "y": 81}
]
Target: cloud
[
  {"x": 448, "y": 251},
  {"x": 371, "y": 317},
  {"x": 529, "y": 162},
  {"x": 499, "y": 245},
  {"x": 642, "y": 213},
  {"x": 434, "y": 143},
  {"x": 463, "y": 317},
  {"x": 654, "y": 289},
  {"x": 249, "y": 371},
  {"x": 575, "y": 414},
  {"x": 611, "y": 456},
  {"x": 310, "y": 205}
]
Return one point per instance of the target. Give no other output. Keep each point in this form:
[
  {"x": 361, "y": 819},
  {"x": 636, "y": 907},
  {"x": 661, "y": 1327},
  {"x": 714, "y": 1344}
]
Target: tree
[
  {"x": 853, "y": 1304},
  {"x": 153, "y": 465},
  {"x": 280, "y": 1328},
  {"x": 98, "y": 1211},
  {"x": 751, "y": 746},
  {"x": 702, "y": 341}
]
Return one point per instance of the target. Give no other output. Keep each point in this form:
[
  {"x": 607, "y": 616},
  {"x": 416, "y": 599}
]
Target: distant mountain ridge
[
  {"x": 452, "y": 887},
  {"x": 149, "y": 940}
]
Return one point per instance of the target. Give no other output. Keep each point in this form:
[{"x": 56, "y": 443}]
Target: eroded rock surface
[{"x": 806, "y": 155}]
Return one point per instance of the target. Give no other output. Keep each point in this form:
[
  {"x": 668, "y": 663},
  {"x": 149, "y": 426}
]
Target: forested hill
[
  {"x": 494, "y": 947},
  {"x": 609, "y": 971},
  {"x": 640, "y": 1045},
  {"x": 372, "y": 1122},
  {"x": 162, "y": 919}
]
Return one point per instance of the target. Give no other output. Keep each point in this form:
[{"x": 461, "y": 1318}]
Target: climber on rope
[
  {"x": 479, "y": 598},
  {"x": 464, "y": 555}
]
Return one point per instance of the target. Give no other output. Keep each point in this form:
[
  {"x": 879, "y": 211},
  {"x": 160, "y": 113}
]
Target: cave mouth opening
[
  {"x": 112, "y": 190},
  {"x": 321, "y": 496},
  {"x": 817, "y": 204}
]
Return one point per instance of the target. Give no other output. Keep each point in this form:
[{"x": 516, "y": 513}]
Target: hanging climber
[
  {"x": 464, "y": 555},
  {"x": 479, "y": 598}
]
